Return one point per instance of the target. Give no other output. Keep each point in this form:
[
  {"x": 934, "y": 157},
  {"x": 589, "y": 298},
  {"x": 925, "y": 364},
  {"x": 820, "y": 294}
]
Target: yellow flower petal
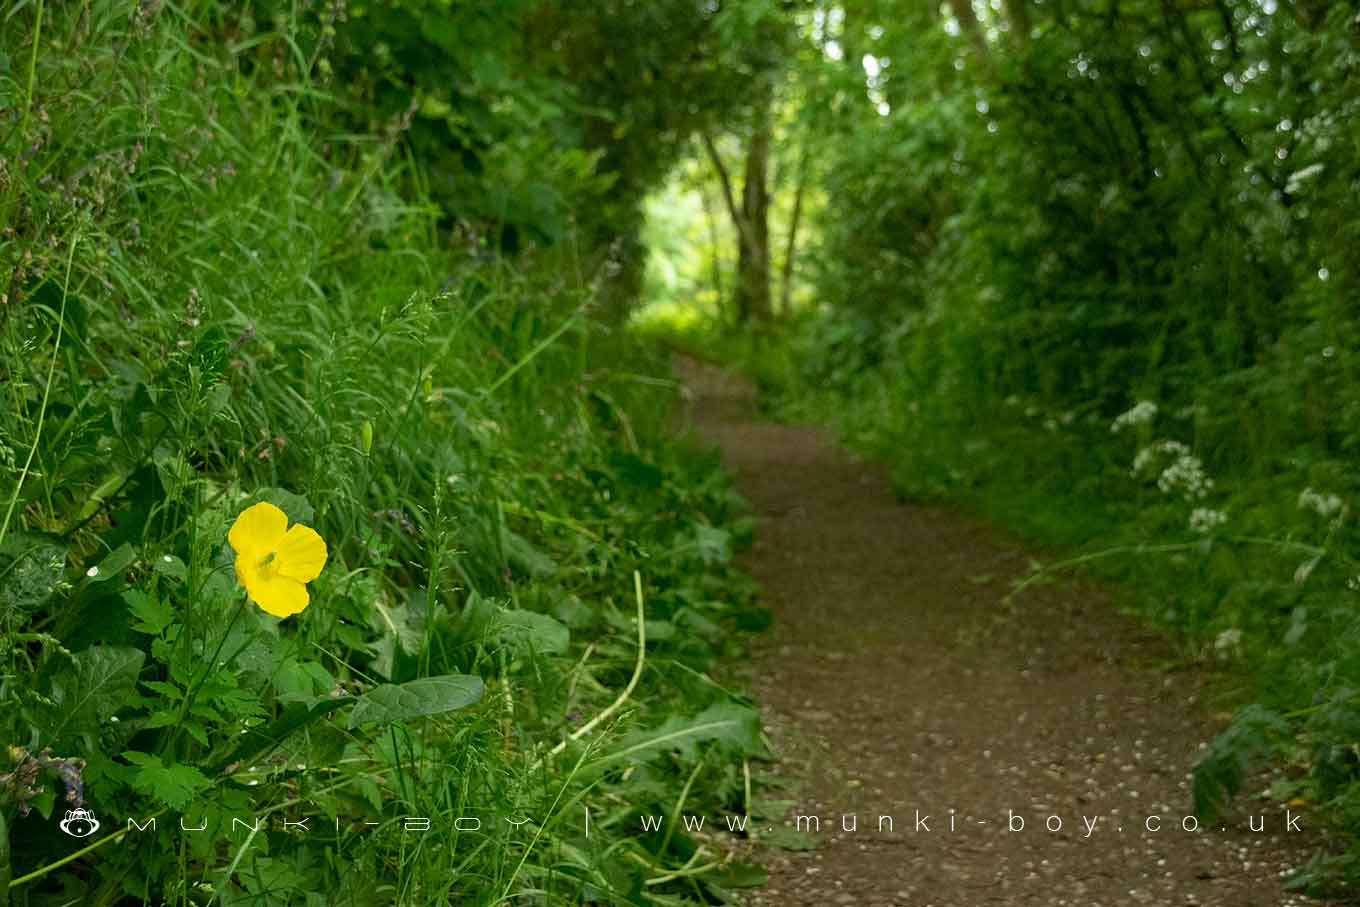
[
  {"x": 247, "y": 570},
  {"x": 258, "y": 530},
  {"x": 301, "y": 554},
  {"x": 279, "y": 595}
]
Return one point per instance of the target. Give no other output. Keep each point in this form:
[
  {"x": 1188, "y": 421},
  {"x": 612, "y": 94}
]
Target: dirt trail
[{"x": 893, "y": 681}]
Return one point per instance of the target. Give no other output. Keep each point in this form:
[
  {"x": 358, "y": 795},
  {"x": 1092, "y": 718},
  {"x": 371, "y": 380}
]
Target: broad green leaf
[
  {"x": 416, "y": 698},
  {"x": 98, "y": 683},
  {"x": 113, "y": 564},
  {"x": 530, "y": 631},
  {"x": 171, "y": 566}
]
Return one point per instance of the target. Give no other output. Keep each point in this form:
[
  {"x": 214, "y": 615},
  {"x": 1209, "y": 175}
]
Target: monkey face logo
[{"x": 79, "y": 823}]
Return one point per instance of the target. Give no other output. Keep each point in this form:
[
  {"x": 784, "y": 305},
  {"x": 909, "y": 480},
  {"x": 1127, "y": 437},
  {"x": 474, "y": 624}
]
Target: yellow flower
[{"x": 274, "y": 562}]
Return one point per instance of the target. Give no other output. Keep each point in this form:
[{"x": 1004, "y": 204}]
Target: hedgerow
[{"x": 223, "y": 283}]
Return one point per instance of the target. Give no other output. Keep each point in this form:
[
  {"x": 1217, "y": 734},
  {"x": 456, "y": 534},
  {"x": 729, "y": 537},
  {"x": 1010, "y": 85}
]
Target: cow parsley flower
[
  {"x": 1157, "y": 450},
  {"x": 1142, "y": 413},
  {"x": 1205, "y": 520},
  {"x": 1186, "y": 476},
  {"x": 1323, "y": 505},
  {"x": 274, "y": 562}
]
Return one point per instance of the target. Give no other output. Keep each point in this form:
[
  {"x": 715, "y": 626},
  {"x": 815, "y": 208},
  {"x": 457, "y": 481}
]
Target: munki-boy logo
[{"x": 79, "y": 823}]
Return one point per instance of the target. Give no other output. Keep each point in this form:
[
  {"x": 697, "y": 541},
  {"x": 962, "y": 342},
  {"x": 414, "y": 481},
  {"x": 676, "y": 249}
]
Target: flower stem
[{"x": 207, "y": 669}]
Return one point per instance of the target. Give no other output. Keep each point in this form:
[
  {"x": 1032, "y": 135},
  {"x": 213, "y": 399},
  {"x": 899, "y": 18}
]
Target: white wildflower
[
  {"x": 92, "y": 572},
  {"x": 1204, "y": 520},
  {"x": 1142, "y": 413},
  {"x": 1186, "y": 476},
  {"x": 1155, "y": 451},
  {"x": 1322, "y": 504}
]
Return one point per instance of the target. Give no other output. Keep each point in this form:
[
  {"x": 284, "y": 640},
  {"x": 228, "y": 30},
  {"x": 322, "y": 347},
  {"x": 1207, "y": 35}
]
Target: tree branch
[{"x": 738, "y": 219}]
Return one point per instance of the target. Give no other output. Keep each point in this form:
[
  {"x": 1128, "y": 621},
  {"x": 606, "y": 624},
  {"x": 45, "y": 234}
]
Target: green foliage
[
  {"x": 387, "y": 702},
  {"x": 1090, "y": 269},
  {"x": 237, "y": 266}
]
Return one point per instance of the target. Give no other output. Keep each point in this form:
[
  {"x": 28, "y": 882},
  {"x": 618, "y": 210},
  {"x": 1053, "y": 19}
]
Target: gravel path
[{"x": 894, "y": 682}]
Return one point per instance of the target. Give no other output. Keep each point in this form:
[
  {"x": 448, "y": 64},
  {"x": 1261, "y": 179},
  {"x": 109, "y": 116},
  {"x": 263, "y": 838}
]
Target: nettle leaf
[
  {"x": 173, "y": 785},
  {"x": 99, "y": 682},
  {"x": 31, "y": 569},
  {"x": 728, "y": 724},
  {"x": 416, "y": 698}
]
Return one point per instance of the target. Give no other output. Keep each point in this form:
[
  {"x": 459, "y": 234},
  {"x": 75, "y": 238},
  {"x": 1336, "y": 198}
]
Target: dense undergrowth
[
  {"x": 219, "y": 286},
  {"x": 1089, "y": 268}
]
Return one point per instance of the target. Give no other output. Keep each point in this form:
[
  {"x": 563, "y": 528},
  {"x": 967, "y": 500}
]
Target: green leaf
[
  {"x": 726, "y": 723},
  {"x": 31, "y": 569},
  {"x": 525, "y": 556},
  {"x": 99, "y": 682},
  {"x": 415, "y": 698},
  {"x": 173, "y": 785},
  {"x": 741, "y": 875},
  {"x": 113, "y": 564},
  {"x": 296, "y": 681},
  {"x": 44, "y": 801},
  {"x": 786, "y": 838},
  {"x": 1218, "y": 776},
  {"x": 298, "y": 508},
  {"x": 530, "y": 631},
  {"x": 171, "y": 566},
  {"x": 152, "y": 615},
  {"x": 216, "y": 399}
]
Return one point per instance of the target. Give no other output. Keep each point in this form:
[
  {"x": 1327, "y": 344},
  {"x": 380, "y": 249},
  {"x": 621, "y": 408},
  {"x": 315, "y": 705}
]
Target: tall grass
[{"x": 216, "y": 292}]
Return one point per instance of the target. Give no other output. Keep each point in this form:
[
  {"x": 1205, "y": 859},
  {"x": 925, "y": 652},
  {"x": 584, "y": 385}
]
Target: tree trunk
[
  {"x": 753, "y": 263},
  {"x": 791, "y": 246}
]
